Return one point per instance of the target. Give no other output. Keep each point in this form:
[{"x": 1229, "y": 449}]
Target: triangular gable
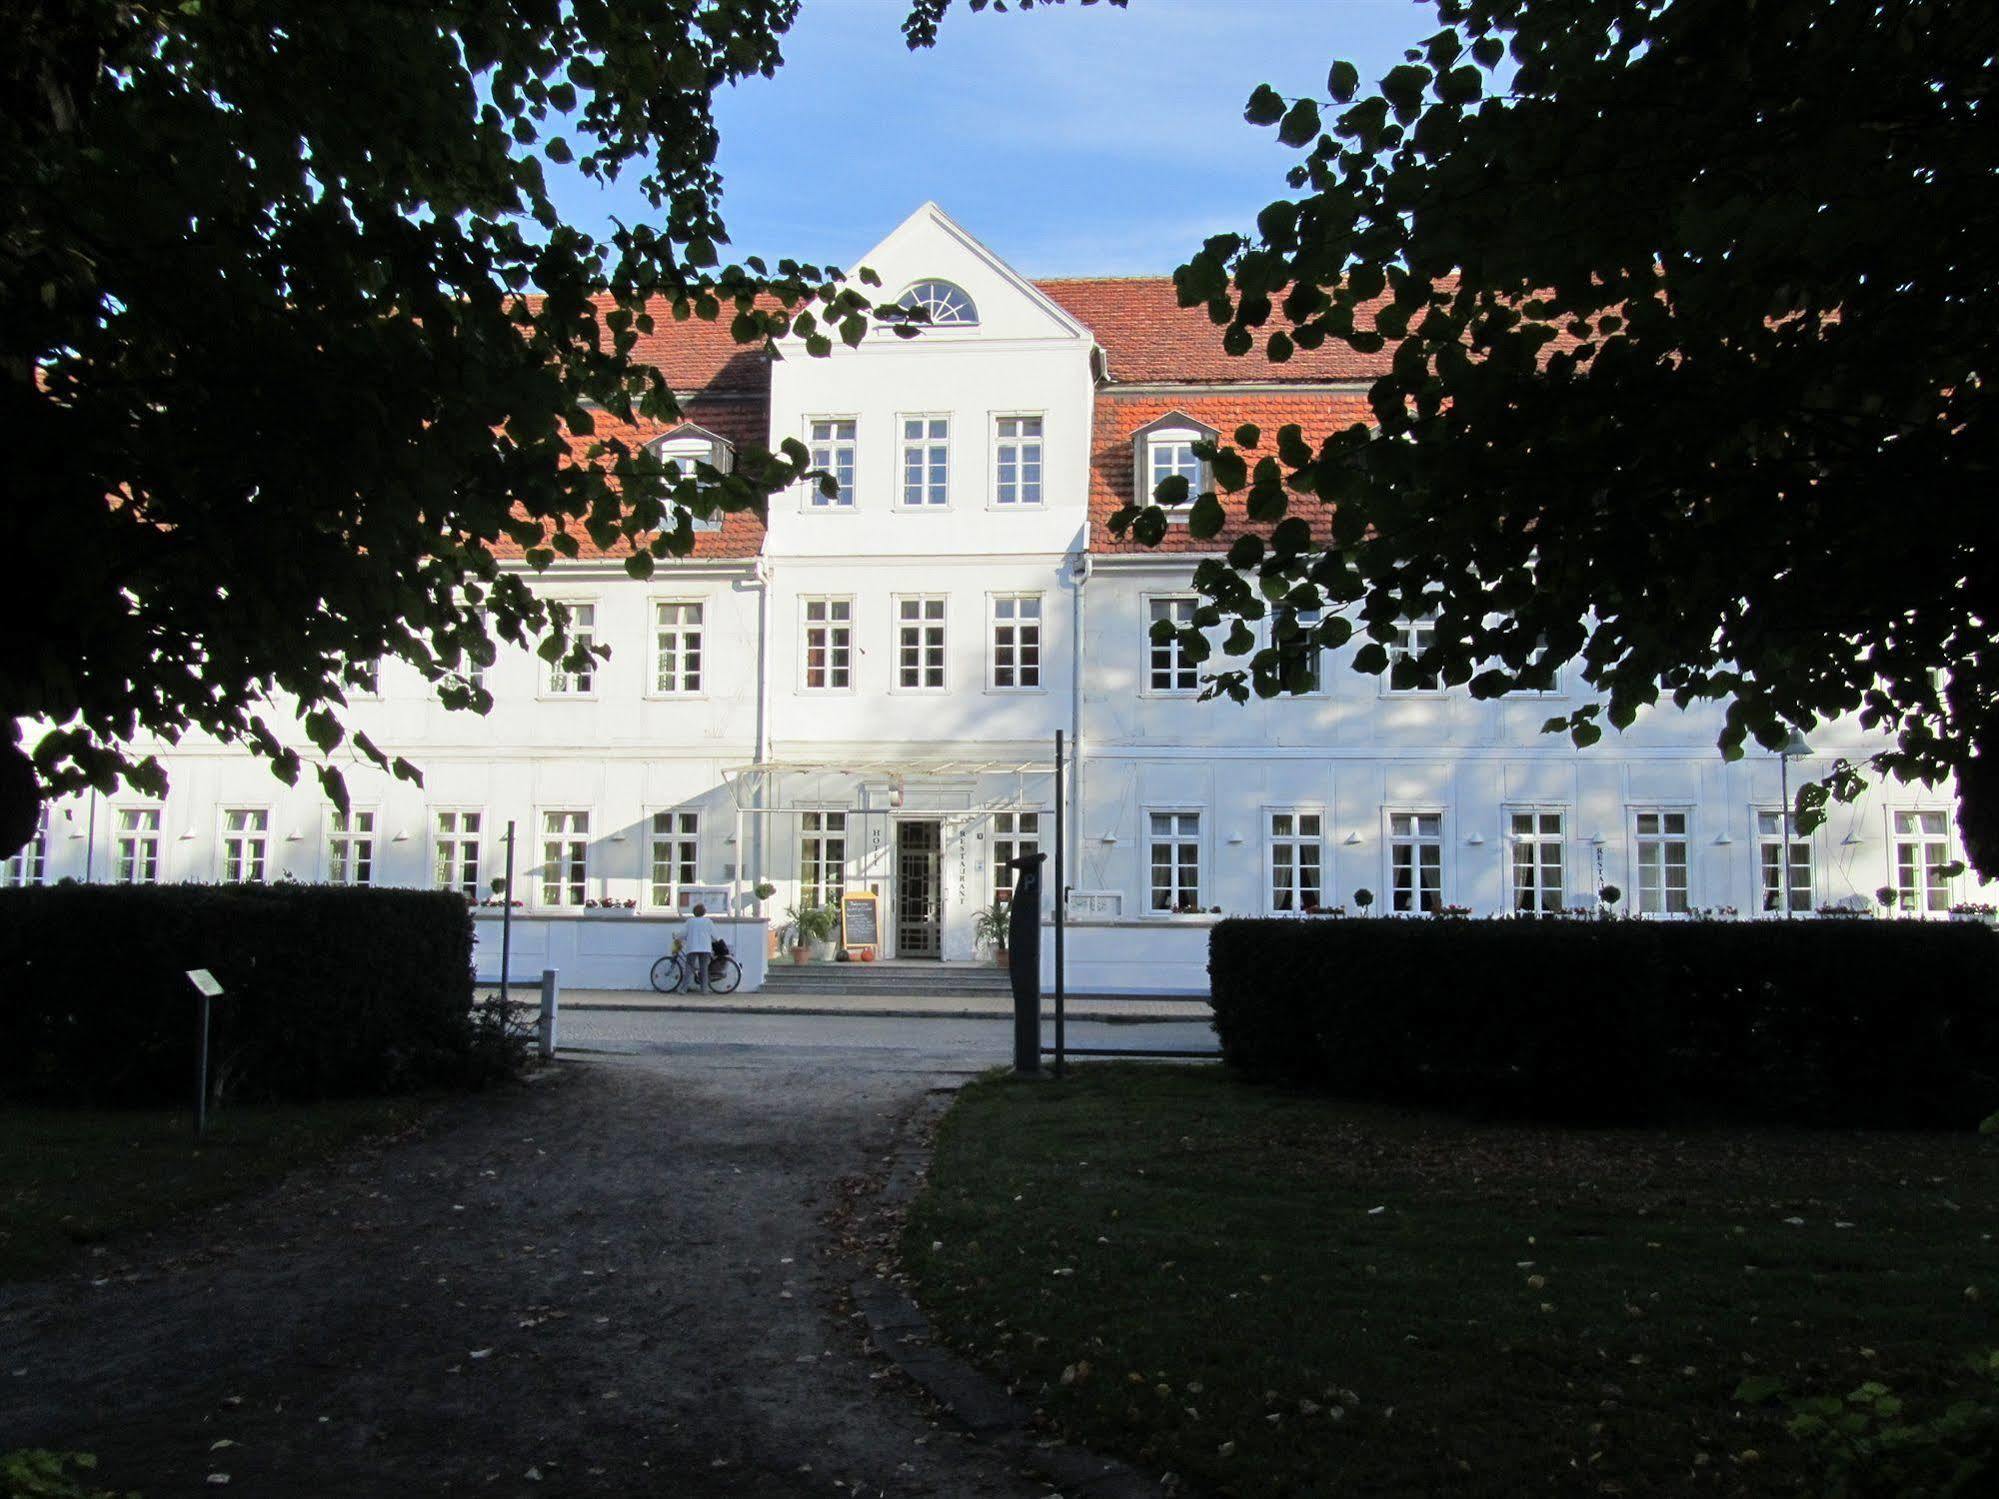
[{"x": 931, "y": 245}]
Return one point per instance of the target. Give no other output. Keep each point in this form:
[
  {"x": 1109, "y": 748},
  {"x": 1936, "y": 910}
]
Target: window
[
  {"x": 1018, "y": 460},
  {"x": 582, "y": 632},
  {"x": 1169, "y": 668},
  {"x": 30, "y": 866},
  {"x": 1770, "y": 864},
  {"x": 829, "y": 644},
  {"x": 565, "y": 858},
  {"x": 1164, "y": 449},
  {"x": 1662, "y": 863},
  {"x": 1176, "y": 861},
  {"x": 919, "y": 644},
  {"x": 350, "y": 848},
  {"x": 676, "y": 644},
  {"x": 682, "y": 451},
  {"x": 1311, "y": 674},
  {"x": 676, "y": 856},
  {"x": 926, "y": 460},
  {"x": 457, "y": 862},
  {"x": 1016, "y": 641},
  {"x": 1296, "y": 859},
  {"x": 138, "y": 845},
  {"x": 365, "y": 677},
  {"x": 947, "y": 305},
  {"x": 1416, "y": 861},
  {"x": 1412, "y": 638},
  {"x": 246, "y": 837},
  {"x": 822, "y": 858},
  {"x": 1538, "y": 863},
  {"x": 833, "y": 449},
  {"x": 1169, "y": 457},
  {"x": 1016, "y": 835},
  {"x": 1922, "y": 856}
]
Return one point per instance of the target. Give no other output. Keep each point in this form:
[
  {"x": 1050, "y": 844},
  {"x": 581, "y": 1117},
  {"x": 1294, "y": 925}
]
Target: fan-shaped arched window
[{"x": 947, "y": 305}]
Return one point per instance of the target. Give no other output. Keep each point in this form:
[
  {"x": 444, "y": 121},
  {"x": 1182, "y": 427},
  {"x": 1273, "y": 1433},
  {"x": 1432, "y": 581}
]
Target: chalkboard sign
[{"x": 860, "y": 921}]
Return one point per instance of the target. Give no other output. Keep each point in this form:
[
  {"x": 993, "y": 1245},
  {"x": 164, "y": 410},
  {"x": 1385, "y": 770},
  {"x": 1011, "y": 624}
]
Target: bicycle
[{"x": 672, "y": 973}]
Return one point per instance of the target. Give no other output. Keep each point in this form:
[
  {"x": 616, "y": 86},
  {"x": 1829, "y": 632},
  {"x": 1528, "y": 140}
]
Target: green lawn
[
  {"x": 73, "y": 1176},
  {"x": 1276, "y": 1294}
]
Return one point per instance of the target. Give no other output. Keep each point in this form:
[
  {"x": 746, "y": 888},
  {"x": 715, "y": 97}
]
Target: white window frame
[
  {"x": 1639, "y": 842},
  {"x": 1197, "y": 484},
  {"x": 923, "y": 624},
  {"x": 1769, "y": 896},
  {"x": 811, "y": 501},
  {"x": 370, "y": 689},
  {"x": 144, "y": 838},
  {"x": 1405, "y": 646},
  {"x": 1295, "y": 842},
  {"x": 1012, "y": 841},
  {"x": 1416, "y": 842},
  {"x": 1019, "y": 626},
  {"x": 368, "y": 837},
  {"x": 1020, "y": 442},
  {"x": 685, "y": 850},
  {"x": 573, "y": 889},
  {"x": 928, "y": 442},
  {"x": 679, "y": 687},
  {"x": 1538, "y": 839},
  {"x": 258, "y": 837},
  {"x": 1307, "y": 619},
  {"x": 552, "y": 672},
  {"x": 456, "y": 839},
  {"x": 686, "y": 452},
  {"x": 1941, "y": 898},
  {"x": 818, "y": 866},
  {"x": 1178, "y": 838},
  {"x": 1179, "y": 663},
  {"x": 29, "y": 865},
  {"x": 805, "y": 627}
]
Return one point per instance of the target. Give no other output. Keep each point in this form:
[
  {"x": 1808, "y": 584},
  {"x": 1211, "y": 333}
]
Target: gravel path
[{"x": 616, "y": 1281}]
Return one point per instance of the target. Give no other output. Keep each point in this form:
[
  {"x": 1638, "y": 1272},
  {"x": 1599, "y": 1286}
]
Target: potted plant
[
  {"x": 806, "y": 927},
  {"x": 989, "y": 930},
  {"x": 772, "y": 930},
  {"x": 1363, "y": 898}
]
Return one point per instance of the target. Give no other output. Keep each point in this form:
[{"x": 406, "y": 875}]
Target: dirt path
[{"x": 617, "y": 1283}]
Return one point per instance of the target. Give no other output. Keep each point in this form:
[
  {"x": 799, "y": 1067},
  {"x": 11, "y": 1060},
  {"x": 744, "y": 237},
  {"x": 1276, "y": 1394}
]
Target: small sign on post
[{"x": 206, "y": 986}]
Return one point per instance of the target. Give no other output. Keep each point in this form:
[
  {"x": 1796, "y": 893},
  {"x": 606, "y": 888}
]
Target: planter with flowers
[
  {"x": 1975, "y": 910},
  {"x": 609, "y": 907}
]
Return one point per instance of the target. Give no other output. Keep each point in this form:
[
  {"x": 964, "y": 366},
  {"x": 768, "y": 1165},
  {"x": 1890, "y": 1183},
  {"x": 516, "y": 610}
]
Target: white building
[{"x": 865, "y": 694}]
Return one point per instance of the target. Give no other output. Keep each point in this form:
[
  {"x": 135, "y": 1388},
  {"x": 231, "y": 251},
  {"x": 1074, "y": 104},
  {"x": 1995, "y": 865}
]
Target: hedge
[
  {"x": 1862, "y": 1022},
  {"x": 329, "y": 992}
]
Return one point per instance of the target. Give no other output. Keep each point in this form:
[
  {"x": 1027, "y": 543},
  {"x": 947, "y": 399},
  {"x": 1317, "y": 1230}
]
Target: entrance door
[{"x": 918, "y": 899}]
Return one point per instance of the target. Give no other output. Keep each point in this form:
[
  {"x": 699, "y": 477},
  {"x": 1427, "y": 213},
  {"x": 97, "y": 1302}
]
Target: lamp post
[{"x": 1794, "y": 746}]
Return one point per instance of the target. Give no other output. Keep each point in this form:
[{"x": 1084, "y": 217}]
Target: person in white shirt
[{"x": 698, "y": 942}]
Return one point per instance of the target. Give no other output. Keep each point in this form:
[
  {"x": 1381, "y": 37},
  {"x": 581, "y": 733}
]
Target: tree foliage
[
  {"x": 292, "y": 337},
  {"x": 1687, "y": 312}
]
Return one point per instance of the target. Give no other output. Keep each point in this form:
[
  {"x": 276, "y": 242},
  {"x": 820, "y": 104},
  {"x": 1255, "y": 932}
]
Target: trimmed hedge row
[
  {"x": 1881, "y": 1023},
  {"x": 330, "y": 992}
]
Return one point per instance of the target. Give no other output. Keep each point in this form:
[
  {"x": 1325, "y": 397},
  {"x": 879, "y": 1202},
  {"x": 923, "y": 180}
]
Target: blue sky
[{"x": 1072, "y": 140}]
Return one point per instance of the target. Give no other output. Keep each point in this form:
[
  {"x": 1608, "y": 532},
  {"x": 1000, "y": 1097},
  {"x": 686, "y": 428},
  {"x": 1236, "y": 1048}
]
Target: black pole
[
  {"x": 201, "y": 1076},
  {"x": 1061, "y": 901},
  {"x": 507, "y": 919},
  {"x": 1023, "y": 961}
]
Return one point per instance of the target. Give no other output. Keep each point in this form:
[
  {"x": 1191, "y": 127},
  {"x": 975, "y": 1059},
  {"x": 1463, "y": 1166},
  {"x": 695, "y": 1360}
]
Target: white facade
[{"x": 867, "y": 698}]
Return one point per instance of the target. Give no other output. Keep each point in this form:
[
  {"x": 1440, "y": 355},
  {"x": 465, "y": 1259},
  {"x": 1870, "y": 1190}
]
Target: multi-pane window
[
  {"x": 1168, "y": 667},
  {"x": 457, "y": 865},
  {"x": 1172, "y": 457},
  {"x": 138, "y": 845},
  {"x": 822, "y": 857},
  {"x": 926, "y": 460},
  {"x": 582, "y": 633},
  {"x": 1017, "y": 460},
  {"x": 565, "y": 858},
  {"x": 1176, "y": 861},
  {"x": 1296, "y": 860},
  {"x": 829, "y": 643},
  {"x": 1770, "y": 861},
  {"x": 1538, "y": 862},
  {"x": 1412, "y": 638},
  {"x": 675, "y": 856},
  {"x": 833, "y": 449},
  {"x": 1016, "y": 640},
  {"x": 246, "y": 842},
  {"x": 365, "y": 677},
  {"x": 1416, "y": 861},
  {"x": 1016, "y": 835},
  {"x": 1922, "y": 852},
  {"x": 1311, "y": 676},
  {"x": 1662, "y": 862},
  {"x": 30, "y": 866},
  {"x": 676, "y": 643},
  {"x": 919, "y": 644},
  {"x": 350, "y": 848}
]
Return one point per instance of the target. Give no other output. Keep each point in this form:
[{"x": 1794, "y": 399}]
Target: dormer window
[
  {"x": 1164, "y": 450},
  {"x": 688, "y": 445},
  {"x": 947, "y": 305}
]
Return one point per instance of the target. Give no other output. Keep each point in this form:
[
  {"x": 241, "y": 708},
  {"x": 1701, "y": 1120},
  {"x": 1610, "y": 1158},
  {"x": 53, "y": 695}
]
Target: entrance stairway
[{"x": 908, "y": 979}]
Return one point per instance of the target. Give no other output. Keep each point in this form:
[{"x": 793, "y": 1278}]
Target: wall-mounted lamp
[
  {"x": 186, "y": 833},
  {"x": 1235, "y": 837},
  {"x": 1108, "y": 839},
  {"x": 1596, "y": 840},
  {"x": 1476, "y": 839},
  {"x": 402, "y": 835},
  {"x": 294, "y": 836},
  {"x": 1722, "y": 840},
  {"x": 1352, "y": 839},
  {"x": 730, "y": 840},
  {"x": 618, "y": 837}
]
